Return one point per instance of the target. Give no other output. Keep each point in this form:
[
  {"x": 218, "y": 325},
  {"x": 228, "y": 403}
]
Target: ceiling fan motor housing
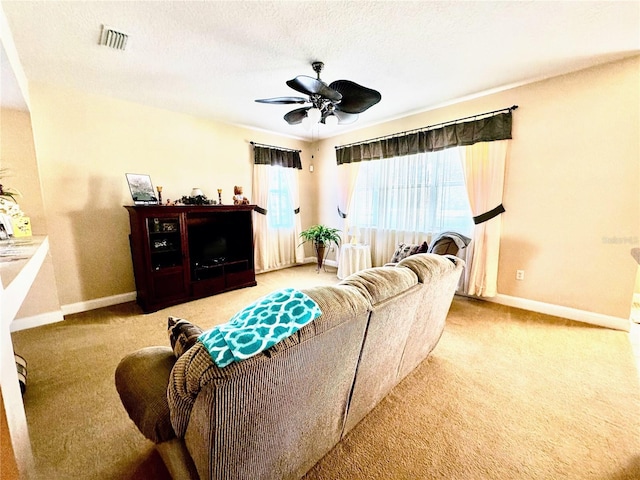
[{"x": 317, "y": 67}]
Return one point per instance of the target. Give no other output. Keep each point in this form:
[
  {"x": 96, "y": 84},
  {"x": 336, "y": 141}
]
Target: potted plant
[
  {"x": 7, "y": 192},
  {"x": 322, "y": 237},
  {"x": 8, "y": 203}
]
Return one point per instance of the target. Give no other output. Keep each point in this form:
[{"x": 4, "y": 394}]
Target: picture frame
[{"x": 141, "y": 189}]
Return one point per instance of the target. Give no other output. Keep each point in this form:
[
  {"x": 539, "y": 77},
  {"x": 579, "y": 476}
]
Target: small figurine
[
  {"x": 238, "y": 197},
  {"x": 159, "y": 189}
]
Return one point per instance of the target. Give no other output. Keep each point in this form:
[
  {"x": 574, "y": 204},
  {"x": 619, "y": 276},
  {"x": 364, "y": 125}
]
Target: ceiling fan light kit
[
  {"x": 338, "y": 103},
  {"x": 331, "y": 120},
  {"x": 314, "y": 115}
]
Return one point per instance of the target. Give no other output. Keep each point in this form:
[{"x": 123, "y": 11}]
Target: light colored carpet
[{"x": 506, "y": 394}]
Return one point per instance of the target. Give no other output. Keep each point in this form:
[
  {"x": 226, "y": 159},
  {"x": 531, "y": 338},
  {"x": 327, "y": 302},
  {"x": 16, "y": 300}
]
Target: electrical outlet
[{"x": 519, "y": 274}]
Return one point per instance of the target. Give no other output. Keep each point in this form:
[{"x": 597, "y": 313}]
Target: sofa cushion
[
  {"x": 259, "y": 326},
  {"x": 380, "y": 284},
  {"x": 429, "y": 266},
  {"x": 182, "y": 335},
  {"x": 439, "y": 276}
]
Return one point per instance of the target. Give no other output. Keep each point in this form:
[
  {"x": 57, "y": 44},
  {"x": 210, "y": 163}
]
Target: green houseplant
[
  {"x": 7, "y": 192},
  {"x": 322, "y": 237},
  {"x": 8, "y": 202}
]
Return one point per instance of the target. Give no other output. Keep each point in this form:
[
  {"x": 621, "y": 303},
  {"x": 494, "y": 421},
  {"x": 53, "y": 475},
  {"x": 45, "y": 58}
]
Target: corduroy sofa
[{"x": 274, "y": 415}]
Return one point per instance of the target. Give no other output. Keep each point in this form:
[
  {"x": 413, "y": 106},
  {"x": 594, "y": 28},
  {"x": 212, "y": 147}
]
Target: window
[
  {"x": 423, "y": 193},
  {"x": 279, "y": 205}
]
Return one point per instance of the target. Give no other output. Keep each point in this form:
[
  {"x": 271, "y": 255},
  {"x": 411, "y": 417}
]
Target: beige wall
[
  {"x": 17, "y": 155},
  {"x": 85, "y": 144},
  {"x": 571, "y": 189},
  {"x": 572, "y": 185}
]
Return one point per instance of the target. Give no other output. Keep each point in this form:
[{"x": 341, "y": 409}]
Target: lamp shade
[
  {"x": 331, "y": 120},
  {"x": 196, "y": 192},
  {"x": 314, "y": 115}
]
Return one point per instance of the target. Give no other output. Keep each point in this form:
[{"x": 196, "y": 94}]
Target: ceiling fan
[{"x": 340, "y": 102}]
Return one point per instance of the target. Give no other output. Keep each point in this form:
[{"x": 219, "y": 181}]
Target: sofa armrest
[{"x": 141, "y": 379}]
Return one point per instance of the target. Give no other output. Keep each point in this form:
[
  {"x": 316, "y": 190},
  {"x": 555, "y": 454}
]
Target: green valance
[
  {"x": 277, "y": 157},
  {"x": 487, "y": 129}
]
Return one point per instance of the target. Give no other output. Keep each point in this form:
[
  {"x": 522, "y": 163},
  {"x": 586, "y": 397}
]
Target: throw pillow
[
  {"x": 182, "y": 335},
  {"x": 406, "y": 249},
  {"x": 423, "y": 248},
  {"x": 403, "y": 250}
]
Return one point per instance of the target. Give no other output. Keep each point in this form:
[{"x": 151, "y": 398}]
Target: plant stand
[{"x": 320, "y": 255}]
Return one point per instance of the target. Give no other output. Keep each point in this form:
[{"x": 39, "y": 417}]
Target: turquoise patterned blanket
[{"x": 259, "y": 326}]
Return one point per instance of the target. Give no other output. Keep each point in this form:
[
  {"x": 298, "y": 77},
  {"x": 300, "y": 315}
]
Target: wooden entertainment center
[{"x": 182, "y": 253}]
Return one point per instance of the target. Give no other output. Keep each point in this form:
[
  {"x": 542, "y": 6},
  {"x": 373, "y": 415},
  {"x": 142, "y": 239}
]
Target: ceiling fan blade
[
  {"x": 345, "y": 118},
  {"x": 294, "y": 117},
  {"x": 312, "y": 86},
  {"x": 355, "y": 98},
  {"x": 282, "y": 100}
]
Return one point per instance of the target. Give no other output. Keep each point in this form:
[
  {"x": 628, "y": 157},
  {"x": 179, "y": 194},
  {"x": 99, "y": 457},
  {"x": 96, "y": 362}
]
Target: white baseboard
[
  {"x": 98, "y": 303},
  {"x": 331, "y": 263},
  {"x": 36, "y": 320},
  {"x": 71, "y": 308},
  {"x": 583, "y": 316},
  {"x": 58, "y": 315}
]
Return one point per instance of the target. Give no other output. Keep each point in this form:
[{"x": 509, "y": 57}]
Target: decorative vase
[{"x": 319, "y": 254}]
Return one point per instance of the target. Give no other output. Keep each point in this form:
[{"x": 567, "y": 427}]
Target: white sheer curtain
[
  {"x": 484, "y": 168},
  {"x": 409, "y": 199},
  {"x": 260, "y": 191},
  {"x": 347, "y": 177},
  {"x": 276, "y": 224},
  {"x": 294, "y": 193}
]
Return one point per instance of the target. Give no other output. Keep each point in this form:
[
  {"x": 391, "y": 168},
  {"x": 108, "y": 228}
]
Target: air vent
[{"x": 113, "y": 39}]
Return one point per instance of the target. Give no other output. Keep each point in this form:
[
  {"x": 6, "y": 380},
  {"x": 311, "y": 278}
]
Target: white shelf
[{"x": 20, "y": 261}]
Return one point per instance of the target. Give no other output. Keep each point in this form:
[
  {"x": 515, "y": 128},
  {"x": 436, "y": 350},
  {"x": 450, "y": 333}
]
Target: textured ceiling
[{"x": 213, "y": 59}]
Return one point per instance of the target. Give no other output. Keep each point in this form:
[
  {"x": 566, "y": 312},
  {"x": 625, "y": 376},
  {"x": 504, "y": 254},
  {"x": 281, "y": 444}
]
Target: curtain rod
[
  {"x": 255, "y": 144},
  {"x": 421, "y": 129}
]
